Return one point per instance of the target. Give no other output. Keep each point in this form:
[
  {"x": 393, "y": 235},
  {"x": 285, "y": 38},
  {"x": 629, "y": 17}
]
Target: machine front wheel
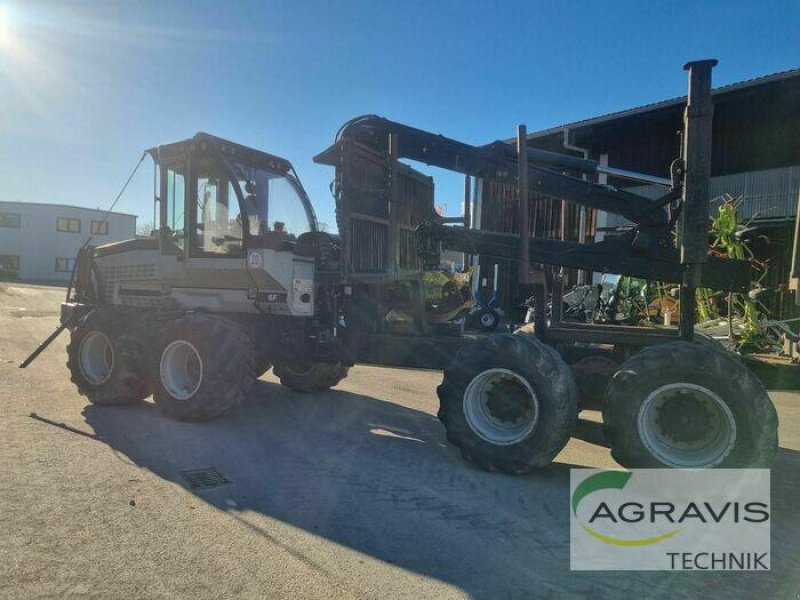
[
  {"x": 311, "y": 377},
  {"x": 106, "y": 359}
]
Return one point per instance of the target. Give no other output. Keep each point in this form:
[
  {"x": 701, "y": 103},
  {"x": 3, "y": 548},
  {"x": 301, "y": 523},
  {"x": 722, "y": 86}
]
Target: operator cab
[{"x": 219, "y": 199}]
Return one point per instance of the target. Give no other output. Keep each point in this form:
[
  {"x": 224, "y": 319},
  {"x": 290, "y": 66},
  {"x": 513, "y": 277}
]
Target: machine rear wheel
[
  {"x": 202, "y": 367},
  {"x": 311, "y": 377},
  {"x": 509, "y": 403},
  {"x": 106, "y": 360},
  {"x": 262, "y": 365},
  {"x": 689, "y": 406}
]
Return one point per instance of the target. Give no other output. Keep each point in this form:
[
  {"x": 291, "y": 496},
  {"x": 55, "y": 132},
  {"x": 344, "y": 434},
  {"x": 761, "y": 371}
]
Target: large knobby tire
[
  {"x": 106, "y": 359},
  {"x": 262, "y": 365},
  {"x": 202, "y": 367},
  {"x": 688, "y": 405},
  {"x": 313, "y": 377},
  {"x": 509, "y": 403},
  {"x": 705, "y": 340}
]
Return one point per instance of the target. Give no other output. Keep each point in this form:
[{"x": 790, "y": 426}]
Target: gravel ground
[{"x": 351, "y": 493}]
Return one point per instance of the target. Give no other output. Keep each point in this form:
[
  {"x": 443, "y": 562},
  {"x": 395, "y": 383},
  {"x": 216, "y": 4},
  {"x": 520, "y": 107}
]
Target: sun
[{"x": 6, "y": 25}]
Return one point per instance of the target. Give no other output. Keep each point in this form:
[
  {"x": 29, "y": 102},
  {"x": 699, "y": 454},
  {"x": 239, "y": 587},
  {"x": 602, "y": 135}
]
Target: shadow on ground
[{"x": 379, "y": 478}]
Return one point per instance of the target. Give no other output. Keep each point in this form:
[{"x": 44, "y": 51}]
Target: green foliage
[
  {"x": 637, "y": 297},
  {"x": 726, "y": 244}
]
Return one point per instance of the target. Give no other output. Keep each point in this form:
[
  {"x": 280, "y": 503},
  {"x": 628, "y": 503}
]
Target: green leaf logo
[{"x": 603, "y": 481}]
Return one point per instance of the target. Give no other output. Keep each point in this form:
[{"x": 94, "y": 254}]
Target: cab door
[
  {"x": 202, "y": 241},
  {"x": 215, "y": 246},
  {"x": 173, "y": 204}
]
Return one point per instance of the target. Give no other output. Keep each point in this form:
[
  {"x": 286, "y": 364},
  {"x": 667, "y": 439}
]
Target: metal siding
[{"x": 767, "y": 195}]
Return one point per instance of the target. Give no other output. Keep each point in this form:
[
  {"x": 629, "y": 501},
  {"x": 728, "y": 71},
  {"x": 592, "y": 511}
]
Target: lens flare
[
  {"x": 5, "y": 24},
  {"x": 9, "y": 25}
]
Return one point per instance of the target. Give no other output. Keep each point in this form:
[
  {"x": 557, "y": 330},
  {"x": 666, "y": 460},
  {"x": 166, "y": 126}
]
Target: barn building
[{"x": 755, "y": 157}]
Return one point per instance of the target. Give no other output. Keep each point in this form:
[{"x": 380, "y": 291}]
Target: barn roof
[{"x": 679, "y": 101}]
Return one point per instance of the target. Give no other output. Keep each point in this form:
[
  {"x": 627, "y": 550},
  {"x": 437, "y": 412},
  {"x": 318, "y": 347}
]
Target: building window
[
  {"x": 65, "y": 265},
  {"x": 12, "y": 220},
  {"x": 100, "y": 227},
  {"x": 9, "y": 262},
  {"x": 68, "y": 225}
]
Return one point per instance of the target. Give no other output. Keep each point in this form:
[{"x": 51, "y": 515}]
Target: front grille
[{"x": 116, "y": 273}]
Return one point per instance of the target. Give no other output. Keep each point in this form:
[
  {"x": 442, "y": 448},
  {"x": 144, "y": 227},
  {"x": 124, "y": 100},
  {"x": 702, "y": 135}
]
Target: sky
[{"x": 85, "y": 87}]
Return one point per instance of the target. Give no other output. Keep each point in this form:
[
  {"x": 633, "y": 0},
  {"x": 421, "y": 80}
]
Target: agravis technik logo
[{"x": 669, "y": 519}]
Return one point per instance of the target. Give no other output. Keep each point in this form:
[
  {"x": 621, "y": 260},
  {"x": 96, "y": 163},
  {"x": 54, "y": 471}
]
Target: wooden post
[
  {"x": 582, "y": 239},
  {"x": 467, "y": 201},
  {"x": 465, "y": 259},
  {"x": 392, "y": 258},
  {"x": 794, "y": 274}
]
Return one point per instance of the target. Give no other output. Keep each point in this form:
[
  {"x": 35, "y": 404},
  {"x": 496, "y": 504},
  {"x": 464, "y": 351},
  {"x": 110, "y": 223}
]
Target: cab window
[
  {"x": 274, "y": 207},
  {"x": 172, "y": 215},
  {"x": 217, "y": 224}
]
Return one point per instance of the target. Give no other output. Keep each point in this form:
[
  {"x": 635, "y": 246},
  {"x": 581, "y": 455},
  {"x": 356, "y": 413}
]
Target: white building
[{"x": 39, "y": 242}]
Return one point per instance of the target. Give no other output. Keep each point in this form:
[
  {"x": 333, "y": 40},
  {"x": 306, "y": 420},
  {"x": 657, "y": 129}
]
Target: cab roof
[{"x": 205, "y": 143}]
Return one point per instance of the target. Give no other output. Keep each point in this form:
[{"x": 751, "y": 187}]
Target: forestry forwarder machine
[{"x": 239, "y": 279}]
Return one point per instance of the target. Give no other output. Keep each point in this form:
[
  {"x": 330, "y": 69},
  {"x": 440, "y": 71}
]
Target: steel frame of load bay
[{"x": 647, "y": 251}]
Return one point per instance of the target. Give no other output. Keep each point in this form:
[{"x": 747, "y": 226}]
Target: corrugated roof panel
[{"x": 666, "y": 103}]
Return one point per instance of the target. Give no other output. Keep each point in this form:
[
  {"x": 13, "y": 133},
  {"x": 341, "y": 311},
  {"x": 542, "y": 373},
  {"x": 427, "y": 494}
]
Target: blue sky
[{"x": 86, "y": 86}]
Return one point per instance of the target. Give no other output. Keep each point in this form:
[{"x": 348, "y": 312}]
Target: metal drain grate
[{"x": 203, "y": 479}]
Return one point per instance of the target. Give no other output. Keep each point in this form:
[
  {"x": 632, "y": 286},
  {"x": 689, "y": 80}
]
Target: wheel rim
[
  {"x": 501, "y": 407},
  {"x": 181, "y": 370},
  {"x": 96, "y": 357},
  {"x": 487, "y": 319},
  {"x": 685, "y": 425}
]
